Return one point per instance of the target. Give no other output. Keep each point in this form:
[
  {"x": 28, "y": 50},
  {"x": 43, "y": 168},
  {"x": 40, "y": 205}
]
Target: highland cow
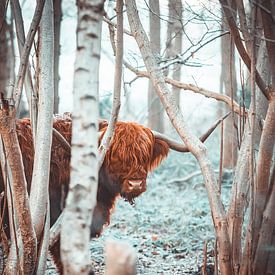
[{"x": 133, "y": 152}]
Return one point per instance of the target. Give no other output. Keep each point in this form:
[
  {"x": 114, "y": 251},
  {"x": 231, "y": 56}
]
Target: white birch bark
[
  {"x": 81, "y": 200},
  {"x": 41, "y": 167}
]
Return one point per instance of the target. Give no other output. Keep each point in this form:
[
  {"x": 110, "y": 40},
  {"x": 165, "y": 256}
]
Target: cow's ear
[{"x": 160, "y": 152}]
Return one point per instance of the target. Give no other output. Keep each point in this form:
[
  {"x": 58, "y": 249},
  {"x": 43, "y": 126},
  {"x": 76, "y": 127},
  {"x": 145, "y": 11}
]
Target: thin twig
[
  {"x": 178, "y": 58},
  {"x": 221, "y": 160},
  {"x": 191, "y": 87},
  {"x": 17, "y": 89},
  {"x": 239, "y": 45},
  {"x": 107, "y": 20}
]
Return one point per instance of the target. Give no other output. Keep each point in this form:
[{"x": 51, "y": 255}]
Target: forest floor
[{"x": 167, "y": 227}]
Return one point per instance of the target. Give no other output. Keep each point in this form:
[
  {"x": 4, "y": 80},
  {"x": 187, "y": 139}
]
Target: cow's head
[{"x": 134, "y": 152}]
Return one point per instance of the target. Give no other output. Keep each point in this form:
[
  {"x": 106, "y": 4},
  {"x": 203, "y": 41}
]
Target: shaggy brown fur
[{"x": 133, "y": 153}]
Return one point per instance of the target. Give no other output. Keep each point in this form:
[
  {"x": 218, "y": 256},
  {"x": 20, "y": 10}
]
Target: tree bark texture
[
  {"x": 81, "y": 200},
  {"x": 41, "y": 168},
  {"x": 18, "y": 186},
  {"x": 241, "y": 181},
  {"x": 264, "y": 202}
]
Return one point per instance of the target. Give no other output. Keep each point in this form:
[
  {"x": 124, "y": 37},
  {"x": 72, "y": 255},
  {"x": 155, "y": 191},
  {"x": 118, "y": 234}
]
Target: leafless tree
[
  {"x": 192, "y": 142},
  {"x": 260, "y": 229},
  {"x": 23, "y": 256},
  {"x": 252, "y": 194}
]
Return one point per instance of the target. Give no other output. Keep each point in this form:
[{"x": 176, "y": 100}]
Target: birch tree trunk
[
  {"x": 155, "y": 109},
  {"x": 81, "y": 200},
  {"x": 193, "y": 143},
  {"x": 41, "y": 168}
]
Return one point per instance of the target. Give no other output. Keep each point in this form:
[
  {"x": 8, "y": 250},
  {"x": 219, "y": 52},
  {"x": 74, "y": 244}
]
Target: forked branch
[{"x": 179, "y": 147}]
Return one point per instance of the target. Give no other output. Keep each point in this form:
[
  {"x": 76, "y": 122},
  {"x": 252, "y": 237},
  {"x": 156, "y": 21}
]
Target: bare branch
[
  {"x": 42, "y": 157},
  {"x": 244, "y": 25},
  {"x": 17, "y": 90},
  {"x": 179, "y": 147},
  {"x": 20, "y": 32},
  {"x": 190, "y": 87},
  {"x": 267, "y": 14},
  {"x": 19, "y": 184},
  {"x": 239, "y": 44},
  {"x": 107, "y": 138},
  {"x": 110, "y": 22},
  {"x": 263, "y": 169},
  {"x": 220, "y": 97},
  {"x": 178, "y": 59}
]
